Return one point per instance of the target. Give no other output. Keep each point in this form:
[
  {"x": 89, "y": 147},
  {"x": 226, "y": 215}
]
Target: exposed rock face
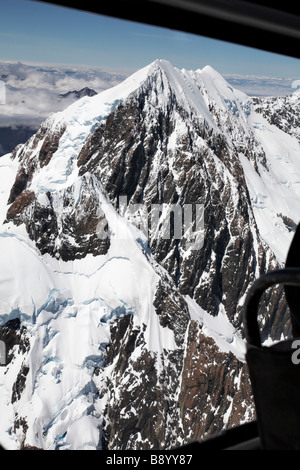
[
  {"x": 201, "y": 394},
  {"x": 13, "y": 335},
  {"x": 35, "y": 154},
  {"x": 282, "y": 112},
  {"x": 157, "y": 149},
  {"x": 60, "y": 225},
  {"x": 133, "y": 154},
  {"x": 198, "y": 391}
]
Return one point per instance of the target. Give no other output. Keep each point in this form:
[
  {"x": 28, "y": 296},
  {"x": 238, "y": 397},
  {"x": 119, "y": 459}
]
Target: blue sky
[{"x": 36, "y": 32}]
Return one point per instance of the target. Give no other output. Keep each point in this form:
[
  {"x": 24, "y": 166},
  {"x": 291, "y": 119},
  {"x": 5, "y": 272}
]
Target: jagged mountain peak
[
  {"x": 211, "y": 71},
  {"x": 198, "y": 91},
  {"x": 78, "y": 121},
  {"x": 190, "y": 88},
  {"x": 210, "y": 75}
]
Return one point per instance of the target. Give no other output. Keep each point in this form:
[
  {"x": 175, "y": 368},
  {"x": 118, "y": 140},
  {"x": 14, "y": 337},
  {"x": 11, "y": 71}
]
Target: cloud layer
[
  {"x": 254, "y": 85},
  {"x": 32, "y": 91}
]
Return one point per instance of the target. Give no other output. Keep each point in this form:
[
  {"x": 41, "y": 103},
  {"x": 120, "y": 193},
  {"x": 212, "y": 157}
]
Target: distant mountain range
[{"x": 78, "y": 94}]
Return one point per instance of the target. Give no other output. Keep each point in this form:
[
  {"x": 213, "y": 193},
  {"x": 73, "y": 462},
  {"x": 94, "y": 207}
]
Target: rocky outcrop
[
  {"x": 282, "y": 112},
  {"x": 199, "y": 392},
  {"x": 13, "y": 334},
  {"x": 215, "y": 388},
  {"x": 59, "y": 225}
]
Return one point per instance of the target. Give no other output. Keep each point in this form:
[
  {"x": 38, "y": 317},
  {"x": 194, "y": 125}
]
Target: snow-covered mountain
[{"x": 120, "y": 334}]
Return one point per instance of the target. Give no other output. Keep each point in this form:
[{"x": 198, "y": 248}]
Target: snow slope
[
  {"x": 67, "y": 308},
  {"x": 276, "y": 191}
]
